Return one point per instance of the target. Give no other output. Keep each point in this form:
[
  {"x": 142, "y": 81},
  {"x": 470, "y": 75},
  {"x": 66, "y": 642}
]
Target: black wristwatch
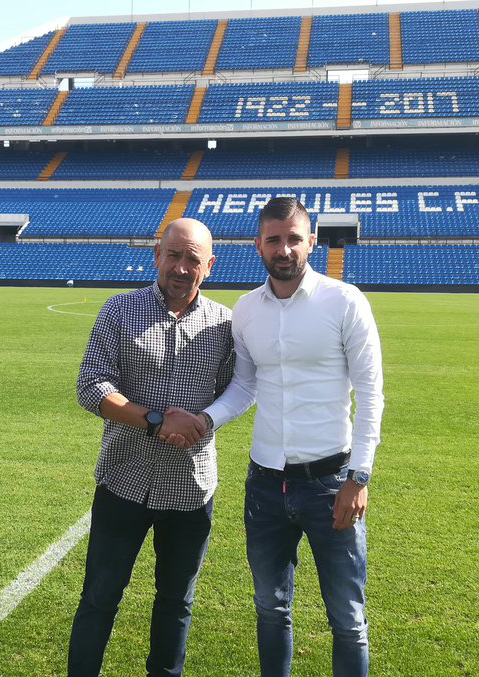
[
  {"x": 360, "y": 477},
  {"x": 154, "y": 420},
  {"x": 210, "y": 424}
]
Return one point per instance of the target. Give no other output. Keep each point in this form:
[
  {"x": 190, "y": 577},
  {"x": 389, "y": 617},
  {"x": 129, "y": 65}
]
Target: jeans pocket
[
  {"x": 331, "y": 483},
  {"x": 252, "y": 471}
]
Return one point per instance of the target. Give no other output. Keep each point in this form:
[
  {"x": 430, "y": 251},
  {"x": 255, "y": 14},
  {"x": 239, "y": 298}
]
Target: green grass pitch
[{"x": 423, "y": 591}]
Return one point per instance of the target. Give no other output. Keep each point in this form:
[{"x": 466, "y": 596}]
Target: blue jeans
[
  {"x": 117, "y": 532},
  {"x": 276, "y": 515}
]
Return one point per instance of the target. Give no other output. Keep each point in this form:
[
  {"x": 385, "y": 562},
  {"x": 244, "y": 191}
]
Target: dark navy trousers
[{"x": 117, "y": 532}]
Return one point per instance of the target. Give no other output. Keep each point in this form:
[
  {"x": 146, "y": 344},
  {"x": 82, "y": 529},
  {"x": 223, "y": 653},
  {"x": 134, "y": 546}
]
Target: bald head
[
  {"x": 184, "y": 257},
  {"x": 189, "y": 229}
]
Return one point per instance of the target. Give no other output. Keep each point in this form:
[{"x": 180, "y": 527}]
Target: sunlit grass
[{"x": 423, "y": 590}]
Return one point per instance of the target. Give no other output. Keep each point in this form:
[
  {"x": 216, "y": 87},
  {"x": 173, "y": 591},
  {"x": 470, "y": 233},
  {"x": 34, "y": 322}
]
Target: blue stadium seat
[
  {"x": 121, "y": 164},
  {"x": 168, "y": 46},
  {"x": 127, "y": 105},
  {"x": 440, "y": 37},
  {"x": 396, "y": 157},
  {"x": 383, "y": 211},
  {"x": 22, "y": 165},
  {"x": 263, "y": 43},
  {"x": 88, "y": 213},
  {"x": 270, "y": 102},
  {"x": 90, "y": 48},
  {"x": 349, "y": 39},
  {"x": 20, "y": 107},
  {"x": 235, "y": 264},
  {"x": 21, "y": 59},
  {"x": 292, "y": 162},
  {"x": 412, "y": 264},
  {"x": 416, "y": 98},
  {"x": 112, "y": 262}
]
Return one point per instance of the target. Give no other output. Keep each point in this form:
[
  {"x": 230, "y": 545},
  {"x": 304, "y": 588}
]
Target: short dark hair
[{"x": 282, "y": 208}]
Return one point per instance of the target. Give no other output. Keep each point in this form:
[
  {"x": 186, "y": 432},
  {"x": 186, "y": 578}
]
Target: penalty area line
[{"x": 29, "y": 579}]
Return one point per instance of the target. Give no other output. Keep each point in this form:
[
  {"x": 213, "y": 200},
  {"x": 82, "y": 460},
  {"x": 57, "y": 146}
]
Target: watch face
[
  {"x": 361, "y": 477},
  {"x": 154, "y": 417}
]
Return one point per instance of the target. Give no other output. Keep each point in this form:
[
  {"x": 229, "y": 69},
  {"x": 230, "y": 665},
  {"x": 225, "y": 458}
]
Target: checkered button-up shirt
[{"x": 139, "y": 348}]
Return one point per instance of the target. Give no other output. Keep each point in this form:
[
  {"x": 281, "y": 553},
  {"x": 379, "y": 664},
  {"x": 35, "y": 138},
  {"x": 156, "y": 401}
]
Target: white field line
[
  {"x": 67, "y": 312},
  {"x": 30, "y": 578}
]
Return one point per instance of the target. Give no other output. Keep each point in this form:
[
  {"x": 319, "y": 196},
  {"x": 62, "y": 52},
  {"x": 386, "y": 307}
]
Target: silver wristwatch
[{"x": 360, "y": 477}]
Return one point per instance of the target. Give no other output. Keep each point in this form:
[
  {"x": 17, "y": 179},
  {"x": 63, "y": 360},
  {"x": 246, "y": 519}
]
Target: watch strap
[{"x": 210, "y": 424}]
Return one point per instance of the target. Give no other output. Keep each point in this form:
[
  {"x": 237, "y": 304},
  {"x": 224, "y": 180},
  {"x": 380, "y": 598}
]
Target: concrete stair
[
  {"x": 49, "y": 49},
  {"x": 175, "y": 210},
  {"x": 131, "y": 48},
  {"x": 335, "y": 263},
  {"x": 304, "y": 41}
]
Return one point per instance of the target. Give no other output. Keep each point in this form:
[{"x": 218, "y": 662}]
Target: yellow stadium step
[
  {"x": 345, "y": 106},
  {"x": 335, "y": 263},
  {"x": 395, "y": 42},
  {"x": 175, "y": 210},
  {"x": 212, "y": 58},
  {"x": 130, "y": 50},
  {"x": 55, "y": 109},
  {"x": 341, "y": 170},
  {"x": 193, "y": 165},
  {"x": 49, "y": 49},
  {"x": 195, "y": 106},
  {"x": 303, "y": 45},
  {"x": 51, "y": 167}
]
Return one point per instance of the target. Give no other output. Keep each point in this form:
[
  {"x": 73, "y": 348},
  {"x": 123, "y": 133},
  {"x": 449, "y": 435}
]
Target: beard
[
  {"x": 180, "y": 291},
  {"x": 284, "y": 274}
]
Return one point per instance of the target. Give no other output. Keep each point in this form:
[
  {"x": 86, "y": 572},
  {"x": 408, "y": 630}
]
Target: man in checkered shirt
[{"x": 158, "y": 347}]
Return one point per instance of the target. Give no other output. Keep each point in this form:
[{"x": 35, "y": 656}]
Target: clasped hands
[{"x": 182, "y": 428}]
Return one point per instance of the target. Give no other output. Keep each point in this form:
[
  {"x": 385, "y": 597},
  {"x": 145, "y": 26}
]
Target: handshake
[{"x": 181, "y": 428}]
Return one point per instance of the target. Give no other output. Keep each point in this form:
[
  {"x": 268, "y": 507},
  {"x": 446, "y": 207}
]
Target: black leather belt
[{"x": 331, "y": 465}]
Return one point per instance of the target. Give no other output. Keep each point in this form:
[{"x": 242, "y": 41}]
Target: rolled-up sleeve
[
  {"x": 99, "y": 371},
  {"x": 363, "y": 352}
]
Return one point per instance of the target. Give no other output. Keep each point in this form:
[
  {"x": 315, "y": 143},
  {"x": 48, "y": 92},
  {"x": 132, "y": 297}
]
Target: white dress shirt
[{"x": 302, "y": 356}]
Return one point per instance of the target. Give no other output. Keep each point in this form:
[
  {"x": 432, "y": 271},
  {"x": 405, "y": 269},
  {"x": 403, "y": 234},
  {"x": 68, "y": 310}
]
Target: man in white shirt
[{"x": 302, "y": 342}]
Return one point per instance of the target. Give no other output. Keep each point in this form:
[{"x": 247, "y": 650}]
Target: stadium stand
[
  {"x": 266, "y": 101},
  {"x": 391, "y": 157},
  {"x": 348, "y": 39},
  {"x": 235, "y": 264},
  {"x": 419, "y": 158},
  {"x": 422, "y": 97},
  {"x": 384, "y": 211},
  {"x": 285, "y": 163},
  {"x": 412, "y": 264},
  {"x": 25, "y": 106},
  {"x": 265, "y": 43},
  {"x": 23, "y": 166},
  {"x": 90, "y": 48},
  {"x": 115, "y": 262},
  {"x": 129, "y": 105},
  {"x": 88, "y": 213},
  {"x": 443, "y": 36},
  {"x": 121, "y": 164},
  {"x": 134, "y": 65},
  {"x": 21, "y": 59},
  {"x": 168, "y": 46}
]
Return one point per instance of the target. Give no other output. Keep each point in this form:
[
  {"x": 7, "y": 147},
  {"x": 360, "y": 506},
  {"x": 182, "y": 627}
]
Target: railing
[{"x": 375, "y": 74}]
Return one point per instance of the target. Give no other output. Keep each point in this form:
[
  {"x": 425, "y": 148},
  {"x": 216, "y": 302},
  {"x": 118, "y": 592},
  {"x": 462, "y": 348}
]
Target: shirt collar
[
  {"x": 306, "y": 286},
  {"x": 158, "y": 294}
]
